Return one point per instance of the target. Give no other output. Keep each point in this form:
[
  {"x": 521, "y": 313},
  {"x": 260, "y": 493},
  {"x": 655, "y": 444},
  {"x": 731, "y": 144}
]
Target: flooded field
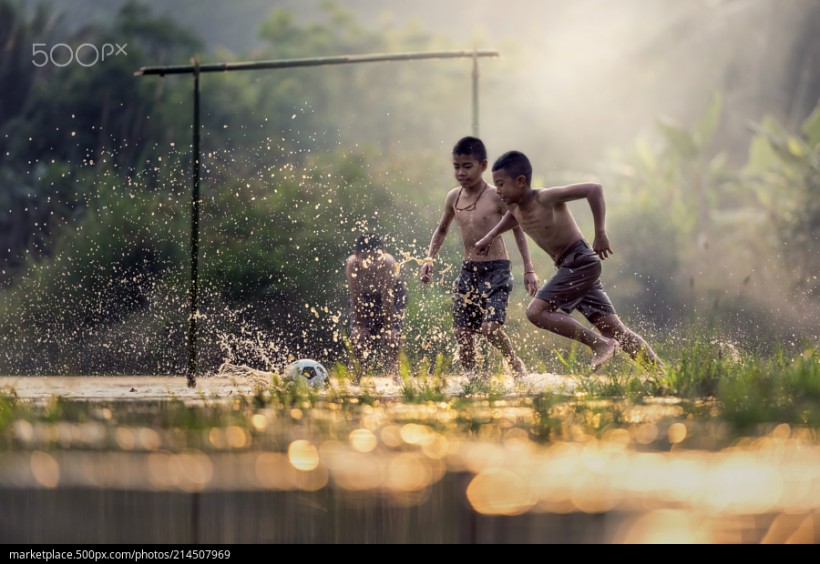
[{"x": 149, "y": 460}]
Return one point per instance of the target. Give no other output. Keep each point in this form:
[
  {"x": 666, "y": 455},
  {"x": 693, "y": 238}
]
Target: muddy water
[{"x": 104, "y": 388}]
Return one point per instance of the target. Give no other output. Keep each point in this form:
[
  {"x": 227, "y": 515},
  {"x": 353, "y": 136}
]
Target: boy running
[
  {"x": 482, "y": 290},
  {"x": 544, "y": 216}
]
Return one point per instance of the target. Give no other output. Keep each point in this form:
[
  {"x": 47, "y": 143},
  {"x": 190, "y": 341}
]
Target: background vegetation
[{"x": 713, "y": 212}]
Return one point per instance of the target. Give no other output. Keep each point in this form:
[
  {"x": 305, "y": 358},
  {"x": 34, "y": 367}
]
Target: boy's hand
[
  {"x": 482, "y": 246},
  {"x": 425, "y": 272},
  {"x": 531, "y": 283},
  {"x": 601, "y": 245}
]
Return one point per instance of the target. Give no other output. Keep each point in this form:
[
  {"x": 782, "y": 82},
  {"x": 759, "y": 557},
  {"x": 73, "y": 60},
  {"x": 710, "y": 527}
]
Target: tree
[{"x": 783, "y": 172}]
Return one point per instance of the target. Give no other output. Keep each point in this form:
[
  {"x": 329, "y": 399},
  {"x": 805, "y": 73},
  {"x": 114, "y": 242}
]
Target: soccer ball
[{"x": 308, "y": 371}]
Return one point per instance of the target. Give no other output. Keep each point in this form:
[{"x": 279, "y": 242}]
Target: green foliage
[
  {"x": 9, "y": 406},
  {"x": 783, "y": 173},
  {"x": 753, "y": 393},
  {"x": 101, "y": 251},
  {"x": 18, "y": 33},
  {"x": 59, "y": 145},
  {"x": 784, "y": 388},
  {"x": 116, "y": 271},
  {"x": 750, "y": 389},
  {"x": 701, "y": 368},
  {"x": 546, "y": 423},
  {"x": 488, "y": 388},
  {"x": 34, "y": 210},
  {"x": 663, "y": 206},
  {"x": 426, "y": 385},
  {"x": 76, "y": 127},
  {"x": 340, "y": 393},
  {"x": 94, "y": 205},
  {"x": 695, "y": 232},
  {"x": 375, "y": 113},
  {"x": 286, "y": 393},
  {"x": 811, "y": 128},
  {"x": 619, "y": 385},
  {"x": 570, "y": 360}
]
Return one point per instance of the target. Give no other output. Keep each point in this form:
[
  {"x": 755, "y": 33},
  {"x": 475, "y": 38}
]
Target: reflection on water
[{"x": 467, "y": 470}]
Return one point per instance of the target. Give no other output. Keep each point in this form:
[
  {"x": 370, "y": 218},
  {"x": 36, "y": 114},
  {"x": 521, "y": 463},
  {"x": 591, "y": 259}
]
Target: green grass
[
  {"x": 426, "y": 385},
  {"x": 488, "y": 388},
  {"x": 547, "y": 423},
  {"x": 721, "y": 393},
  {"x": 285, "y": 393},
  {"x": 780, "y": 389},
  {"x": 9, "y": 407}
]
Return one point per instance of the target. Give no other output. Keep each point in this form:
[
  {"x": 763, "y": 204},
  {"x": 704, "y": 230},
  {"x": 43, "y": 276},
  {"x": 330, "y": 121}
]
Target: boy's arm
[
  {"x": 530, "y": 278},
  {"x": 507, "y": 222},
  {"x": 594, "y": 194},
  {"x": 439, "y": 235}
]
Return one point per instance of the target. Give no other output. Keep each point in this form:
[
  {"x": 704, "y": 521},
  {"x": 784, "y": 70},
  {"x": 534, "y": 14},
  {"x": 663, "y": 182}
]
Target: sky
[{"x": 582, "y": 75}]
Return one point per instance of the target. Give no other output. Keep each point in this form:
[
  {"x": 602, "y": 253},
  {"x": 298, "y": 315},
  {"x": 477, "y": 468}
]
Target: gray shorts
[
  {"x": 577, "y": 283},
  {"x": 481, "y": 293}
]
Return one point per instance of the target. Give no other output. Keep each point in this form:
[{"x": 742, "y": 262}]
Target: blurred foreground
[{"x": 148, "y": 460}]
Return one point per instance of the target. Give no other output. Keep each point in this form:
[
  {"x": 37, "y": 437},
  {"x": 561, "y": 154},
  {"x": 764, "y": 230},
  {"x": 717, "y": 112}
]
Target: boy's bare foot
[{"x": 603, "y": 353}]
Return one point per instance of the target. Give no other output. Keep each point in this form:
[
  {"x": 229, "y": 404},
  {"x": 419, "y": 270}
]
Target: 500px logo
[{"x": 85, "y": 55}]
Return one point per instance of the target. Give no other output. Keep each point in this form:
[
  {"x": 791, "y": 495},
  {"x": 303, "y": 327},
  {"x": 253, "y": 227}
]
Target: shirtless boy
[
  {"x": 544, "y": 216},
  {"x": 378, "y": 298},
  {"x": 482, "y": 290}
]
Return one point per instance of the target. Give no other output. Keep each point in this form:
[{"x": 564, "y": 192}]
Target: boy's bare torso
[
  {"x": 550, "y": 224},
  {"x": 478, "y": 211},
  {"x": 369, "y": 277}
]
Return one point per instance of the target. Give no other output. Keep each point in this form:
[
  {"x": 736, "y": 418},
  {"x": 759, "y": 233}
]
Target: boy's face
[
  {"x": 510, "y": 189},
  {"x": 468, "y": 169}
]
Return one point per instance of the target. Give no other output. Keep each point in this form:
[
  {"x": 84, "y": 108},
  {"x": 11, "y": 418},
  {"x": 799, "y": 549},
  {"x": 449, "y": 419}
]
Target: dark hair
[
  {"x": 368, "y": 242},
  {"x": 516, "y": 164},
  {"x": 472, "y": 146}
]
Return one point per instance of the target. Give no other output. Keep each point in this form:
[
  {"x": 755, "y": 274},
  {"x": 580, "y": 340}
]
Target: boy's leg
[
  {"x": 633, "y": 344},
  {"x": 391, "y": 344},
  {"x": 466, "y": 317},
  {"x": 392, "y": 336},
  {"x": 544, "y": 315},
  {"x": 466, "y": 348},
  {"x": 360, "y": 339},
  {"x": 496, "y": 284},
  {"x": 576, "y": 285},
  {"x": 493, "y": 332}
]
